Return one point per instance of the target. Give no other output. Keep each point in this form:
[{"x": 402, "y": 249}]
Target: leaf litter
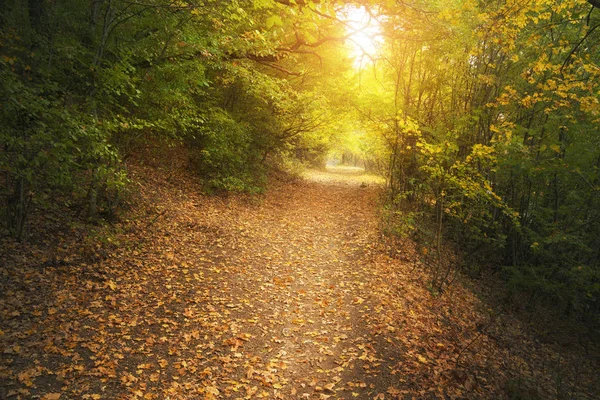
[{"x": 293, "y": 295}]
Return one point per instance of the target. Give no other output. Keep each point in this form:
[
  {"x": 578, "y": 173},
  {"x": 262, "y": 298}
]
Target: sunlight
[
  {"x": 344, "y": 175},
  {"x": 365, "y": 35}
]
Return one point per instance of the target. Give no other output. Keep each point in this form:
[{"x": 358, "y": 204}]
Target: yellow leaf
[
  {"x": 212, "y": 390},
  {"x": 422, "y": 359},
  {"x": 51, "y": 396}
]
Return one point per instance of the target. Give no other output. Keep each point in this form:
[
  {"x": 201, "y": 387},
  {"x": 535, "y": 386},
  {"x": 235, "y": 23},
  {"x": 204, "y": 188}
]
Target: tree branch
[
  {"x": 572, "y": 52},
  {"x": 280, "y": 68}
]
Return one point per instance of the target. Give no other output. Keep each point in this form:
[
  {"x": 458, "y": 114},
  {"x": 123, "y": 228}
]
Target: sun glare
[{"x": 364, "y": 35}]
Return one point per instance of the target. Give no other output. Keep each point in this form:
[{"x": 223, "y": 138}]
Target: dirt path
[
  {"x": 292, "y": 296},
  {"x": 301, "y": 291},
  {"x": 289, "y": 283}
]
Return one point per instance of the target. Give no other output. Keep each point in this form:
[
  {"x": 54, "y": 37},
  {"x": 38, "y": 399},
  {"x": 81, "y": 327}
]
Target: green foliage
[
  {"x": 222, "y": 154},
  {"x": 84, "y": 84},
  {"x": 500, "y": 156}
]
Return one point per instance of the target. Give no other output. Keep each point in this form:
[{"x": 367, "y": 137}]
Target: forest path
[
  {"x": 301, "y": 287},
  {"x": 213, "y": 298},
  {"x": 291, "y": 287},
  {"x": 290, "y": 295}
]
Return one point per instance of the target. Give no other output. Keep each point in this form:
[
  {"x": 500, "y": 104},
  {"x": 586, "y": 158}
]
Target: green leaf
[
  {"x": 274, "y": 20},
  {"x": 260, "y": 4}
]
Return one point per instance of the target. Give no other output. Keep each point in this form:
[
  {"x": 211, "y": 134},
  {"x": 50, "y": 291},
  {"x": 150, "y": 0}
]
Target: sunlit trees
[{"x": 489, "y": 111}]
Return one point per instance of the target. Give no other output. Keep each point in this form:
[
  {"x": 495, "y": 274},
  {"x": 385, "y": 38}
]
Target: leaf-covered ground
[{"x": 292, "y": 295}]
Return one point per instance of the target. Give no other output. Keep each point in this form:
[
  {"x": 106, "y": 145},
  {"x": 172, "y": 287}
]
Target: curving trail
[{"x": 290, "y": 296}]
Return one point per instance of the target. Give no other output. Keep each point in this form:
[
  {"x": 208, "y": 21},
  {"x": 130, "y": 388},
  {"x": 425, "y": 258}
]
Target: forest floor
[{"x": 294, "y": 294}]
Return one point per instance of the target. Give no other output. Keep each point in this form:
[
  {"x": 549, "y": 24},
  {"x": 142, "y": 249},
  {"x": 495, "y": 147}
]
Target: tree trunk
[
  {"x": 92, "y": 210},
  {"x": 17, "y": 210}
]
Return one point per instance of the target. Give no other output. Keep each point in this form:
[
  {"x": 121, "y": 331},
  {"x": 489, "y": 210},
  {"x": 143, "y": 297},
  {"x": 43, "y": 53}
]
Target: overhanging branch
[{"x": 280, "y": 68}]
